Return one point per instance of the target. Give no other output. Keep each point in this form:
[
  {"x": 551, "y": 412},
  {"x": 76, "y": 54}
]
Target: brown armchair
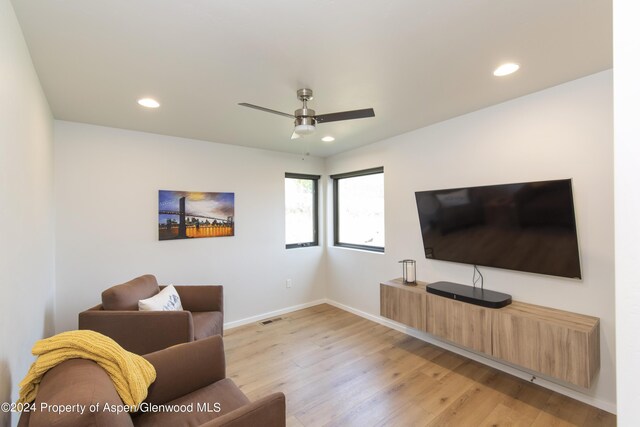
[
  {"x": 143, "y": 332},
  {"x": 191, "y": 379}
]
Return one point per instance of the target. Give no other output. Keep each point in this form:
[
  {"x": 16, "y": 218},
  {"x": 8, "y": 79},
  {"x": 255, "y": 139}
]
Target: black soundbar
[{"x": 469, "y": 294}]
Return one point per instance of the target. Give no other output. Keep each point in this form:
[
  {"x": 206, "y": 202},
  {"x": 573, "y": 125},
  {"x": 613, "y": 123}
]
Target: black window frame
[
  {"x": 336, "y": 220},
  {"x": 315, "y": 179}
]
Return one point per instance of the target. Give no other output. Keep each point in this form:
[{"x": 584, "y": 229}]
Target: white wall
[
  {"x": 107, "y": 183},
  {"x": 562, "y": 132},
  {"x": 26, "y": 209},
  {"x": 627, "y": 207}
]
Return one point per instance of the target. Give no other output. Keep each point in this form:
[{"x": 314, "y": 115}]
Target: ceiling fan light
[
  {"x": 304, "y": 129},
  {"x": 304, "y": 125}
]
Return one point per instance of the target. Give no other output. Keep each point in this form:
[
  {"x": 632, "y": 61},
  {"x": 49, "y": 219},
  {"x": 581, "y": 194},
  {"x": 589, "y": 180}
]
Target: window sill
[
  {"x": 361, "y": 248},
  {"x": 301, "y": 245}
]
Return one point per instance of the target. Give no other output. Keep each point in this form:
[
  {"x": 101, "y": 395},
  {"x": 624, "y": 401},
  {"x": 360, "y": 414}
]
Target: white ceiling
[{"x": 415, "y": 62}]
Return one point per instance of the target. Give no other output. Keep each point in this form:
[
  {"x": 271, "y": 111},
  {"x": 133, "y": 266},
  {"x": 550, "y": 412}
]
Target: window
[
  {"x": 358, "y": 209},
  {"x": 301, "y": 210}
]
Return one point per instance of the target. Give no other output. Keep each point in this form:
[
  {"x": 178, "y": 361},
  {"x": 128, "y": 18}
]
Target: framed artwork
[{"x": 191, "y": 215}]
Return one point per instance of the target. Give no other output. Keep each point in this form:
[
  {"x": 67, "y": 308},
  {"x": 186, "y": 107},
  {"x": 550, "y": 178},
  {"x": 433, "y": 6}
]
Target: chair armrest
[
  {"x": 270, "y": 411},
  {"x": 201, "y": 297},
  {"x": 140, "y": 332},
  {"x": 23, "y": 421},
  {"x": 184, "y": 368}
]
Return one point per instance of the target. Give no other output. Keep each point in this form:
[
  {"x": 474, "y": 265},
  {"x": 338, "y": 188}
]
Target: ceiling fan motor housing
[{"x": 305, "y": 116}]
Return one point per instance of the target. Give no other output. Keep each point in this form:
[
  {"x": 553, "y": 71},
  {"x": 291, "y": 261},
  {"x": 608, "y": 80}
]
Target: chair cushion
[
  {"x": 78, "y": 382},
  {"x": 206, "y": 324},
  {"x": 127, "y": 295},
  {"x": 223, "y": 396}
]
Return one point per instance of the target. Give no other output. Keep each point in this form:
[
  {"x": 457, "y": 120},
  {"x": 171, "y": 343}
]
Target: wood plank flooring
[{"x": 338, "y": 369}]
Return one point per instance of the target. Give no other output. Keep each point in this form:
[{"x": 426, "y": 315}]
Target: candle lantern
[{"x": 408, "y": 271}]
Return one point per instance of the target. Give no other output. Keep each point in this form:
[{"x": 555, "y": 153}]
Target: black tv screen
[{"x": 527, "y": 226}]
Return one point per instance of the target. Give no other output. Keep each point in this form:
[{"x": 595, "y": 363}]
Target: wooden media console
[{"x": 556, "y": 343}]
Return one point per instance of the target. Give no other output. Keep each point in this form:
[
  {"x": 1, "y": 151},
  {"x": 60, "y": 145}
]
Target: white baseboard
[
  {"x": 259, "y": 317},
  {"x": 574, "y": 394}
]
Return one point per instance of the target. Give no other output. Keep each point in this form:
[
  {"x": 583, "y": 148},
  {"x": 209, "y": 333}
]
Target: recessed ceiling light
[
  {"x": 148, "y": 102},
  {"x": 328, "y": 139},
  {"x": 506, "y": 69}
]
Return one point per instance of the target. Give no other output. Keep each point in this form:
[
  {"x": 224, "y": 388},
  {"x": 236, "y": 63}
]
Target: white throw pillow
[{"x": 166, "y": 300}]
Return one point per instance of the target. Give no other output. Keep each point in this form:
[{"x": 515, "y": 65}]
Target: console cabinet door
[
  {"x": 557, "y": 347},
  {"x": 406, "y": 306},
  {"x": 461, "y": 323}
]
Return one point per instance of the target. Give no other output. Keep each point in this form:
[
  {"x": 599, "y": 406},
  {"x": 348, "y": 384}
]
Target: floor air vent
[{"x": 269, "y": 321}]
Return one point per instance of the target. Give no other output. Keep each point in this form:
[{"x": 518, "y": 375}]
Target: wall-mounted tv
[{"x": 527, "y": 226}]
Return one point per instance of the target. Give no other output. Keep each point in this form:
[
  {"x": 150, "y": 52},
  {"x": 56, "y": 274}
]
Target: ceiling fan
[{"x": 305, "y": 119}]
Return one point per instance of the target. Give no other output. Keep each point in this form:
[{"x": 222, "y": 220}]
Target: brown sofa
[
  {"x": 191, "y": 382},
  {"x": 143, "y": 332}
]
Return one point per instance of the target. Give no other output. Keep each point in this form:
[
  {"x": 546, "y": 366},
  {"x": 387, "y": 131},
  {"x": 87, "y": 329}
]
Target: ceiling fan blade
[
  {"x": 345, "y": 115},
  {"x": 267, "y": 110},
  {"x": 294, "y": 135}
]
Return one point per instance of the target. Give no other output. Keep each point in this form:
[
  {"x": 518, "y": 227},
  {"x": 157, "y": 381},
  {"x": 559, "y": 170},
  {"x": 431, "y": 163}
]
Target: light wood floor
[{"x": 338, "y": 369}]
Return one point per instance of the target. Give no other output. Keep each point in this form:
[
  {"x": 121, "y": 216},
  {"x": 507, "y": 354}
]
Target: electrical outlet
[{"x": 288, "y": 283}]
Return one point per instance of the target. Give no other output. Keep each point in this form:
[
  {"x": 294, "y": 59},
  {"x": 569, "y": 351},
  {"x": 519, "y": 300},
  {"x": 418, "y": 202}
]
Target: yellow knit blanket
[{"x": 131, "y": 374}]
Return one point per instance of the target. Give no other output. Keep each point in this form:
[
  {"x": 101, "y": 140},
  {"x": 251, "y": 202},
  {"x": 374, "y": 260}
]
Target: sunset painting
[{"x": 187, "y": 214}]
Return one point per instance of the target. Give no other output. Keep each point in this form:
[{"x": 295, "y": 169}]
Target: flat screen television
[{"x": 527, "y": 226}]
